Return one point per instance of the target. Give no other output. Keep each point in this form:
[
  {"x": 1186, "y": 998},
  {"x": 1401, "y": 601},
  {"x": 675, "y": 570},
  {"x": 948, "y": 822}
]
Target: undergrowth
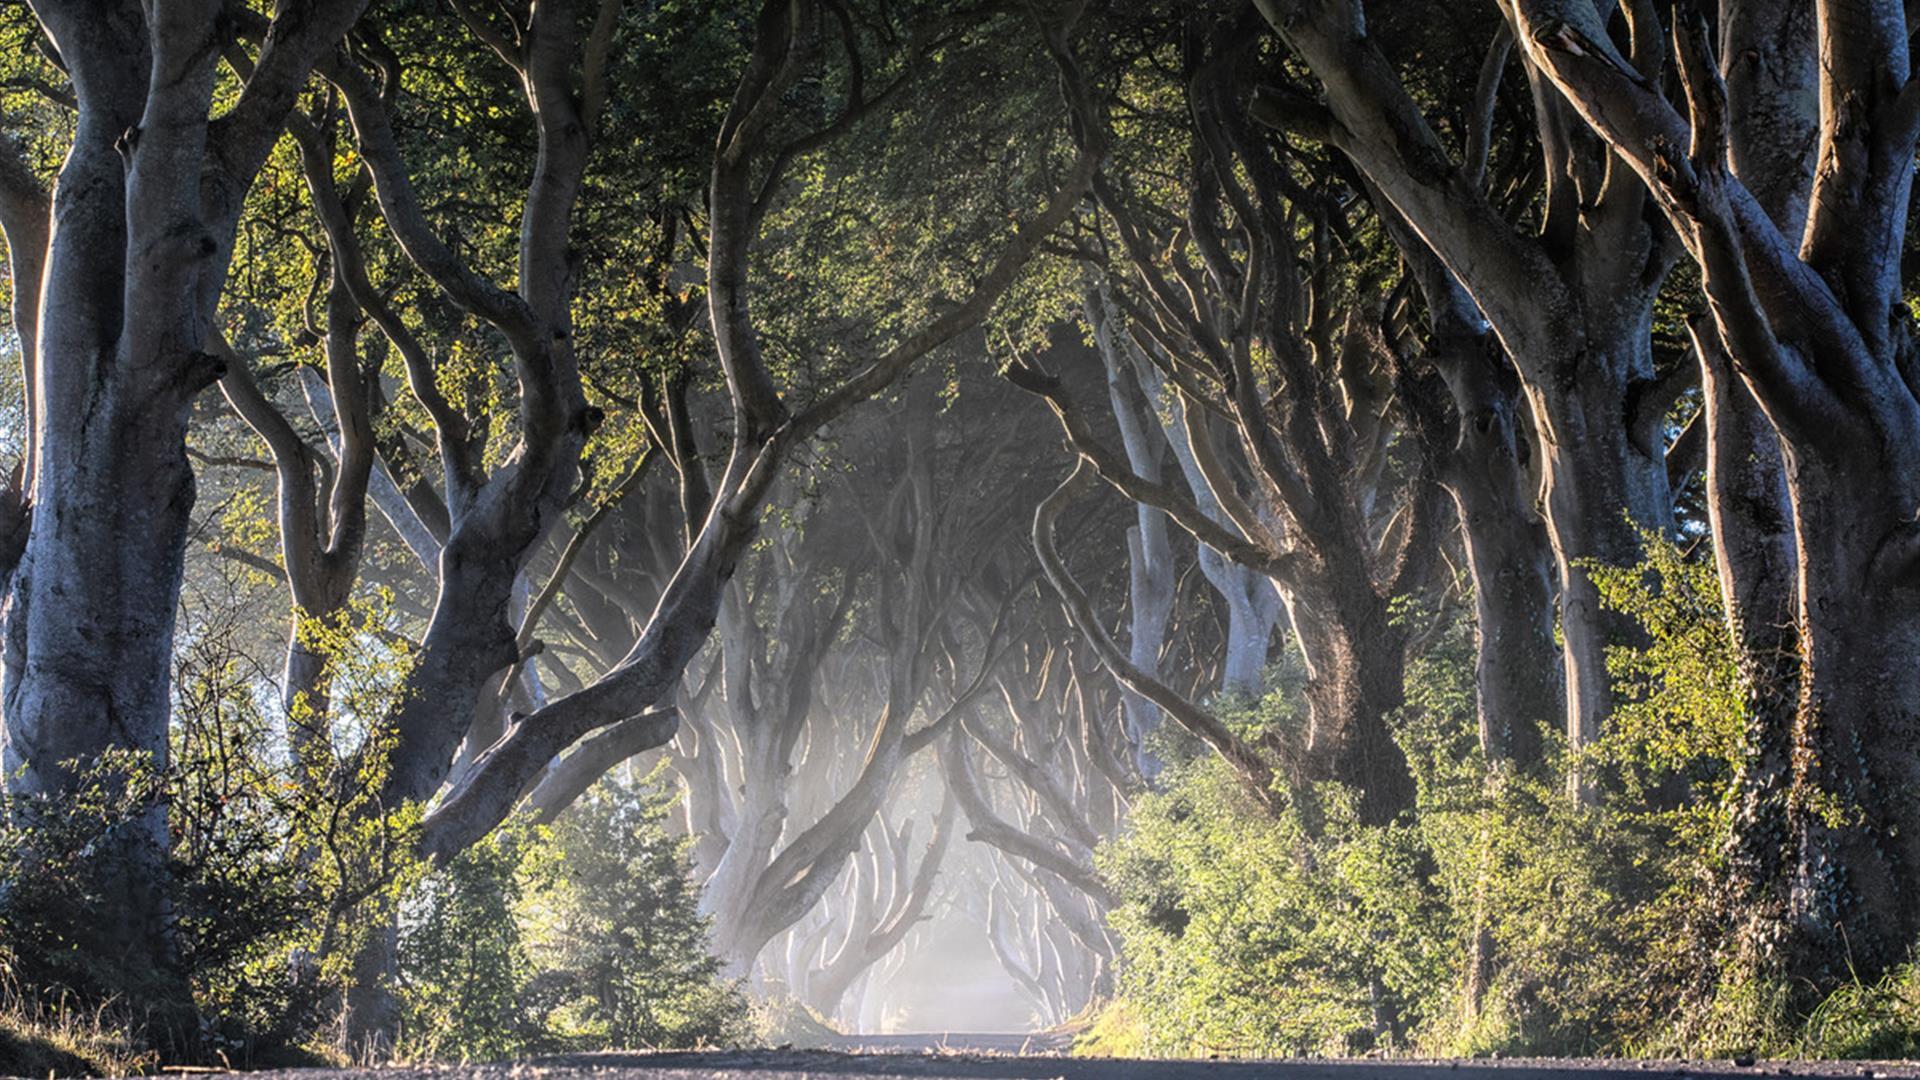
[{"x": 1603, "y": 928}]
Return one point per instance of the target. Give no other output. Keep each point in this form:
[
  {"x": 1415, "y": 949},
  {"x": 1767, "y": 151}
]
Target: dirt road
[{"x": 833, "y": 1065}]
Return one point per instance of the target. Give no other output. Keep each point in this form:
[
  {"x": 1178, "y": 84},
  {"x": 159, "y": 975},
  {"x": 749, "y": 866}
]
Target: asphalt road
[{"x": 968, "y": 1065}]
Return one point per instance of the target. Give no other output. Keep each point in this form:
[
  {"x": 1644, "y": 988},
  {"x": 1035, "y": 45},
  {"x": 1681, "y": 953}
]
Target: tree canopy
[{"x": 1300, "y": 525}]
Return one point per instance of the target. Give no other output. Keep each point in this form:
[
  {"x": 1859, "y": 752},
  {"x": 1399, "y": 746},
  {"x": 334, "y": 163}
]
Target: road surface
[
  {"x": 1035, "y": 1043},
  {"x": 969, "y": 1065}
]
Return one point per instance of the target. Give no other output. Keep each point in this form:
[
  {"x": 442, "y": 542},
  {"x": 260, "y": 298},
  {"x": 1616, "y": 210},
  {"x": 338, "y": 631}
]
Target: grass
[
  {"x": 1880, "y": 1021},
  {"x": 68, "y": 1042}
]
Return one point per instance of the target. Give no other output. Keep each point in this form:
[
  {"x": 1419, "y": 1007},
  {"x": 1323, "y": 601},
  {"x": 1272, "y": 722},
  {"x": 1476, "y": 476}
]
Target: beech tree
[
  {"x": 765, "y": 428},
  {"x": 1800, "y": 267},
  {"x": 118, "y": 275},
  {"x": 1570, "y": 299},
  {"x": 1339, "y": 526}
]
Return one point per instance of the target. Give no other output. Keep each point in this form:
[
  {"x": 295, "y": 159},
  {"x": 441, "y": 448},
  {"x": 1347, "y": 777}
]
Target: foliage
[
  {"x": 619, "y": 919},
  {"x": 584, "y": 935},
  {"x": 1247, "y": 935},
  {"x": 277, "y": 869},
  {"x": 463, "y": 963}
]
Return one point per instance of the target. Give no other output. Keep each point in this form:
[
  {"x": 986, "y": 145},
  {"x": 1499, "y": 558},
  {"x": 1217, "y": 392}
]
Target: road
[
  {"x": 950, "y": 1042},
  {"x": 950, "y": 1065}
]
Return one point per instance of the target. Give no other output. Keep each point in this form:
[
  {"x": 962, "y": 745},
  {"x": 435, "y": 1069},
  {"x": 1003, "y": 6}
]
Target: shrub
[
  {"x": 1243, "y": 934},
  {"x": 585, "y": 935},
  {"x": 616, "y": 927},
  {"x": 275, "y": 871},
  {"x": 463, "y": 965}
]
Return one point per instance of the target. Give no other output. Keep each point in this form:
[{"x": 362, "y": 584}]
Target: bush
[
  {"x": 582, "y": 936},
  {"x": 1246, "y": 936},
  {"x": 618, "y": 923},
  {"x": 463, "y": 965},
  {"x": 276, "y": 870},
  {"x": 1604, "y": 926}
]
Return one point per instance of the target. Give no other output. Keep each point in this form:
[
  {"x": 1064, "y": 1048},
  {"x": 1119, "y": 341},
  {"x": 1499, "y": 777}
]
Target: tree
[
  {"x": 135, "y": 255},
  {"x": 747, "y": 171},
  {"x": 1572, "y": 305},
  {"x": 1808, "y": 309},
  {"x": 1327, "y": 513}
]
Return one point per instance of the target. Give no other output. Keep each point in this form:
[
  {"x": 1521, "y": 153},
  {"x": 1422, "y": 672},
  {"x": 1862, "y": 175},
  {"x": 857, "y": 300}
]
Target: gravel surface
[{"x": 971, "y": 1065}]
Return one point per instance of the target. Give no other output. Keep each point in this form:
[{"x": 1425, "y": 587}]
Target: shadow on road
[{"x": 825, "y": 1065}]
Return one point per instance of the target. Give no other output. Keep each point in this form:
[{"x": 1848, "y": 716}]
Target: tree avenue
[{"x": 1255, "y": 527}]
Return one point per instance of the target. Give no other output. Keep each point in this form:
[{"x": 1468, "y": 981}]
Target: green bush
[
  {"x": 1604, "y": 927},
  {"x": 275, "y": 871},
  {"x": 618, "y": 920},
  {"x": 463, "y": 964},
  {"x": 1246, "y": 936},
  {"x": 585, "y": 935}
]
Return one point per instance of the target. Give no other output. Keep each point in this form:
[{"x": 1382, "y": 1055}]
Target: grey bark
[
  {"x": 1773, "y": 132},
  {"x": 1481, "y": 453},
  {"x": 1253, "y": 606},
  {"x": 1150, "y": 576}
]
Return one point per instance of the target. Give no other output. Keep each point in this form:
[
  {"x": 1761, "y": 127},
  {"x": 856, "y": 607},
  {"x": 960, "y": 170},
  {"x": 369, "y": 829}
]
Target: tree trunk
[
  {"x": 1509, "y": 559},
  {"x": 728, "y": 895},
  {"x": 1150, "y": 577},
  {"x": 1252, "y": 605},
  {"x": 1356, "y": 681},
  {"x": 1773, "y": 126},
  {"x": 1601, "y": 490},
  {"x": 1751, "y": 514},
  {"x": 1516, "y": 661},
  {"x": 89, "y": 623},
  {"x": 1856, "y": 825},
  {"x": 370, "y": 1015}
]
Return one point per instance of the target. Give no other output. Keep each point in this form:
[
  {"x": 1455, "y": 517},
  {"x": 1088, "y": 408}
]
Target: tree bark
[
  {"x": 1773, "y": 130},
  {"x": 1482, "y": 454},
  {"x": 1510, "y": 563},
  {"x": 1150, "y": 579},
  {"x": 1857, "y": 830},
  {"x": 1356, "y": 682}
]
